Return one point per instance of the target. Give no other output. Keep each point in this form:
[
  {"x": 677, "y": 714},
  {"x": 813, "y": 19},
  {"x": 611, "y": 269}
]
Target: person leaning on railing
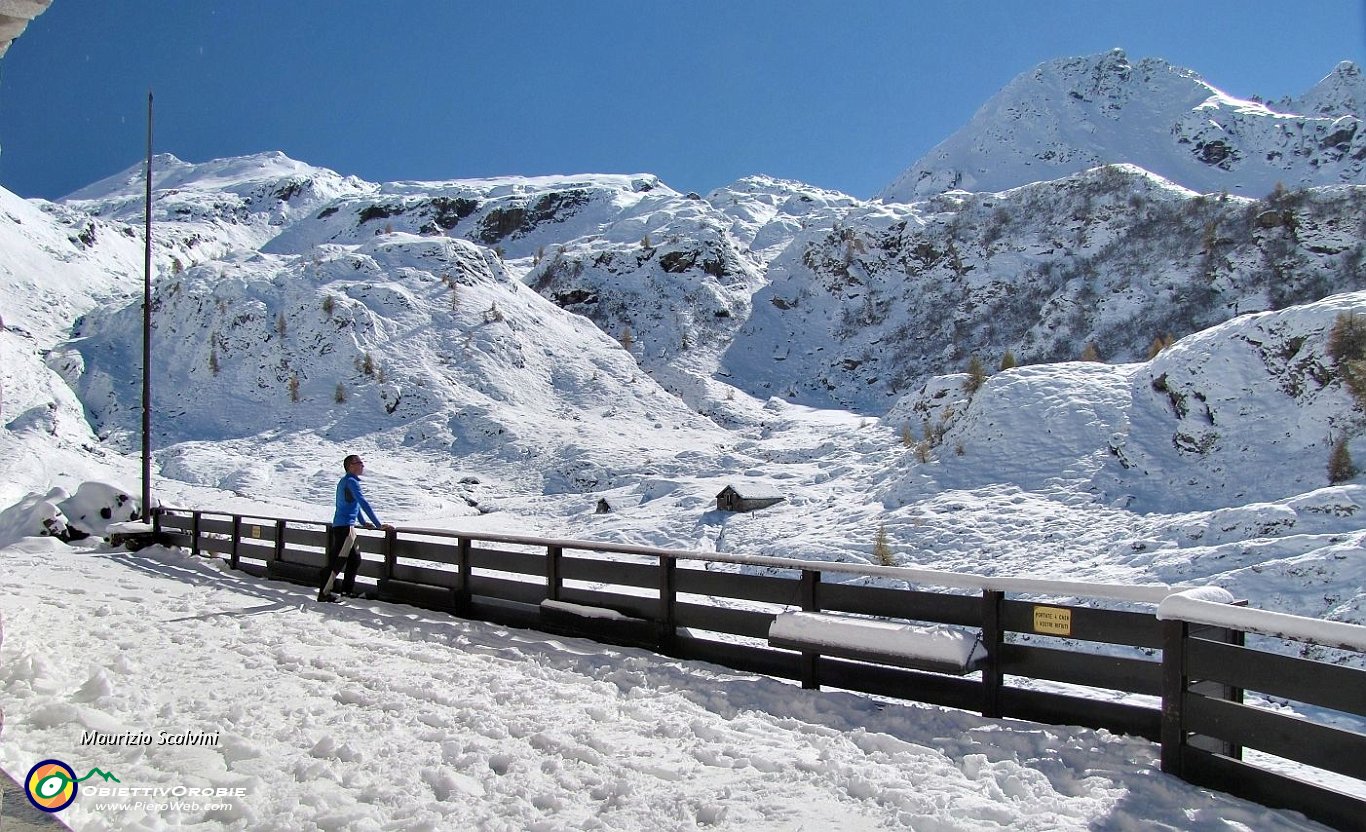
[{"x": 341, "y": 535}]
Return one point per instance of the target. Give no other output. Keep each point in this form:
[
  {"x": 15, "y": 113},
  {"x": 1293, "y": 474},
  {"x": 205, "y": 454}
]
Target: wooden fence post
[
  {"x": 236, "y": 540},
  {"x": 1174, "y": 634},
  {"x": 668, "y": 596},
  {"x": 280, "y": 540},
  {"x": 390, "y": 558},
  {"x": 993, "y": 639},
  {"x": 553, "y": 582},
  {"x": 810, "y": 584},
  {"x": 194, "y": 533},
  {"x": 810, "y": 664},
  {"x": 464, "y": 595}
]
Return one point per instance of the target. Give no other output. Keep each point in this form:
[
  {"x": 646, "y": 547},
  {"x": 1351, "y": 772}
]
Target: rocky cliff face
[{"x": 1112, "y": 260}]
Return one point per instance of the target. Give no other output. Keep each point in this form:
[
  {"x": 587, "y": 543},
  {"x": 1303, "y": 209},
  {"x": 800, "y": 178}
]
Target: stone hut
[{"x": 747, "y": 497}]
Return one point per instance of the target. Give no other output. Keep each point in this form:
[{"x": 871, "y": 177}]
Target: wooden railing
[
  {"x": 1208, "y": 722},
  {"x": 1183, "y": 682}
]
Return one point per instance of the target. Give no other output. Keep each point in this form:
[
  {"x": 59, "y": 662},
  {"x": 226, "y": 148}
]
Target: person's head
[{"x": 353, "y": 464}]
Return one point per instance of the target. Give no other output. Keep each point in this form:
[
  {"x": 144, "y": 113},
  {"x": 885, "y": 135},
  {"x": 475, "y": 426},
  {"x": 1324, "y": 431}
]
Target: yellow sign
[
  {"x": 1053, "y": 621},
  {"x": 256, "y": 532}
]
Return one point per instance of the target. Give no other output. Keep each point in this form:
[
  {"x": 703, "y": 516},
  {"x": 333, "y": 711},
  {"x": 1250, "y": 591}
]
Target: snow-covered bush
[{"x": 1347, "y": 346}]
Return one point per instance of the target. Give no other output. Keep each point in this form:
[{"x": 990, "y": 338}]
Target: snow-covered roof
[{"x": 754, "y": 491}]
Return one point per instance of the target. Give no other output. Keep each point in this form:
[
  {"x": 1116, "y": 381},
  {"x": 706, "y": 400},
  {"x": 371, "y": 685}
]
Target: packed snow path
[{"x": 370, "y": 716}]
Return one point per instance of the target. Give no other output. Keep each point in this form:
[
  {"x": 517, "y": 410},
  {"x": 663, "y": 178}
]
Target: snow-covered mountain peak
[
  {"x": 766, "y": 195},
  {"x": 767, "y": 212},
  {"x": 126, "y": 182},
  {"x": 233, "y": 174},
  {"x": 1068, "y": 115},
  {"x": 1341, "y": 93},
  {"x": 761, "y": 184},
  {"x": 1109, "y": 80},
  {"x": 241, "y": 201}
]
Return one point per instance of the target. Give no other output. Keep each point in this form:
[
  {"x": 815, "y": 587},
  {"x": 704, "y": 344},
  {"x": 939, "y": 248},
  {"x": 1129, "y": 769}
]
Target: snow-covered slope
[
  {"x": 1244, "y": 412},
  {"x": 1069, "y": 115},
  {"x": 413, "y": 342},
  {"x": 55, "y": 265},
  {"x": 856, "y": 314},
  {"x": 60, "y": 262}
]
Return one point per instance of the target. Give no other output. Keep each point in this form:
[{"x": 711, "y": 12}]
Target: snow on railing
[
  {"x": 938, "y": 643},
  {"x": 1212, "y": 606}
]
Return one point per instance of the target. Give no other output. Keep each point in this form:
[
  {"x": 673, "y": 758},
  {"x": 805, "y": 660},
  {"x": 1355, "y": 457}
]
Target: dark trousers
[{"x": 337, "y": 538}]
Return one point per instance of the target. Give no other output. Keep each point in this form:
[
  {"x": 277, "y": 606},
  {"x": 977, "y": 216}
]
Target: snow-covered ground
[
  {"x": 371, "y": 716},
  {"x": 376, "y": 716}
]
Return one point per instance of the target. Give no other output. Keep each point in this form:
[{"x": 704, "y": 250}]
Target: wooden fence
[{"x": 1199, "y": 690}]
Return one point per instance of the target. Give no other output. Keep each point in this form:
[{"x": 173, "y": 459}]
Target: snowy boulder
[
  {"x": 1341, "y": 501},
  {"x": 1252, "y": 521},
  {"x": 90, "y": 511},
  {"x": 41, "y": 417},
  {"x": 36, "y": 515},
  {"x": 96, "y": 505}
]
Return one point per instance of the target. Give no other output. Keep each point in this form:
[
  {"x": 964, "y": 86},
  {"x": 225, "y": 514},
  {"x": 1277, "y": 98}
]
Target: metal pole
[{"x": 147, "y": 333}]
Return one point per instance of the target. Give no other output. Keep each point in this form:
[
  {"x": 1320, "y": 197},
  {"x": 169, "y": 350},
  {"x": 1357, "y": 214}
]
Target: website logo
[{"x": 51, "y": 785}]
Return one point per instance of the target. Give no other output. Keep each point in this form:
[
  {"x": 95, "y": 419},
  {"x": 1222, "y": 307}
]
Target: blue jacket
[{"x": 350, "y": 503}]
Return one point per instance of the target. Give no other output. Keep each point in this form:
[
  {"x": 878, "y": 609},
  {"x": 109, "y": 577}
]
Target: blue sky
[{"x": 843, "y": 95}]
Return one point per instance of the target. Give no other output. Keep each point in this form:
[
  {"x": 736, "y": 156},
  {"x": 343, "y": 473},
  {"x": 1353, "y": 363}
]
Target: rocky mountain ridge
[
  {"x": 1072, "y": 114},
  {"x": 784, "y": 289}
]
